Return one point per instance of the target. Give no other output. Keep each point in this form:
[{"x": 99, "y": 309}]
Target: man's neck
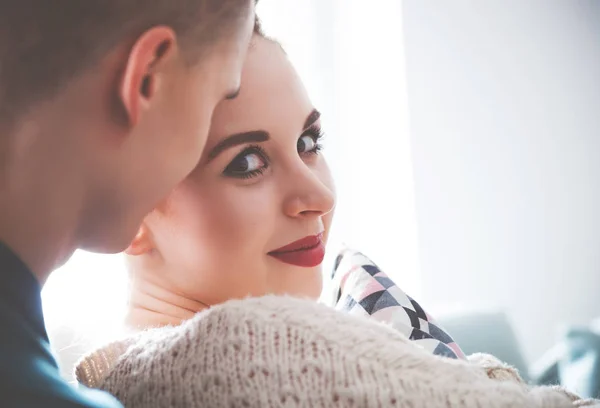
[
  {"x": 151, "y": 305},
  {"x": 40, "y": 199},
  {"x": 39, "y": 250}
]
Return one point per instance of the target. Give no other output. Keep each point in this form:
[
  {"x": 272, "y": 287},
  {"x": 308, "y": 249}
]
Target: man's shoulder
[
  {"x": 29, "y": 376},
  {"x": 27, "y": 381},
  {"x": 27, "y": 399},
  {"x": 51, "y": 393}
]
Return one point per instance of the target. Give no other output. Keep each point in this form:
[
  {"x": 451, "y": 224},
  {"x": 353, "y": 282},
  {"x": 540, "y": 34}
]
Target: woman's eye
[
  {"x": 246, "y": 165},
  {"x": 306, "y": 144}
]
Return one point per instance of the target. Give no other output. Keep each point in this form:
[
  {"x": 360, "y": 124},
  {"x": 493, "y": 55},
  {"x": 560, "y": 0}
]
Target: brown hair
[
  {"x": 45, "y": 43},
  {"x": 258, "y": 27}
]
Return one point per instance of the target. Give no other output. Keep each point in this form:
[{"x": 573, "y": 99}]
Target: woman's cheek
[{"x": 237, "y": 218}]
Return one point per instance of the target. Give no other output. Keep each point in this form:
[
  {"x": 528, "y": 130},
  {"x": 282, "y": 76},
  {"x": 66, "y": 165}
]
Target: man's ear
[
  {"x": 142, "y": 243},
  {"x": 140, "y": 80}
]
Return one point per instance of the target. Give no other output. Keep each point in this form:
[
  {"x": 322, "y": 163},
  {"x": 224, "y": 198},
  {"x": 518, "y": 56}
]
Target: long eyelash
[
  {"x": 317, "y": 134},
  {"x": 251, "y": 174},
  {"x": 256, "y": 149}
]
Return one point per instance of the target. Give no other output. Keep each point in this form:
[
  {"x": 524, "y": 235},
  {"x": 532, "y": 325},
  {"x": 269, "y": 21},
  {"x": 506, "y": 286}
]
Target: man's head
[{"x": 116, "y": 97}]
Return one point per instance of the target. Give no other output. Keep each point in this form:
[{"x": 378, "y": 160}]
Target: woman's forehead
[{"x": 270, "y": 87}]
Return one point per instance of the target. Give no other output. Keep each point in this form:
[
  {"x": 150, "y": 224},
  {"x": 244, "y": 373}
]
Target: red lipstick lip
[
  {"x": 307, "y": 252},
  {"x": 304, "y": 243}
]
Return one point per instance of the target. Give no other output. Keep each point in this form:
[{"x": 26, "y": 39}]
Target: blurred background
[{"x": 464, "y": 139}]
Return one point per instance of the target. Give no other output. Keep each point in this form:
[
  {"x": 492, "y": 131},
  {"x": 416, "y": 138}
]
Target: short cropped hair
[{"x": 46, "y": 43}]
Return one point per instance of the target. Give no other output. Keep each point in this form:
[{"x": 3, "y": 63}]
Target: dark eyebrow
[
  {"x": 255, "y": 136},
  {"x": 312, "y": 118}
]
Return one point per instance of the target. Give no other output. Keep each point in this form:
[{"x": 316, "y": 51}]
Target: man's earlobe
[{"x": 141, "y": 77}]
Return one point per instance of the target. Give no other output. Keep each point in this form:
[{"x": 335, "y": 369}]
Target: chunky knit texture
[{"x": 284, "y": 352}]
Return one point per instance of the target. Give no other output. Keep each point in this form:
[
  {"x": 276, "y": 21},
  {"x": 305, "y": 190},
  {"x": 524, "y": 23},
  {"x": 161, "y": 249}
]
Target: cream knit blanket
[{"x": 284, "y": 352}]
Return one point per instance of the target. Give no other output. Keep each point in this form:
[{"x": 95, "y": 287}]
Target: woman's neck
[{"x": 152, "y": 305}]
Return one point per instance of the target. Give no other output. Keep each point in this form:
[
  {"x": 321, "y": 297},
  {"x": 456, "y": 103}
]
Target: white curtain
[{"x": 350, "y": 55}]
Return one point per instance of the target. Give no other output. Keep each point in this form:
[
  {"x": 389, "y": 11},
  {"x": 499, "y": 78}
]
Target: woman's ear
[{"x": 142, "y": 243}]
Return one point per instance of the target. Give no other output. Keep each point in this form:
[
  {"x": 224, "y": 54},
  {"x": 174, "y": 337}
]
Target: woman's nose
[{"x": 310, "y": 194}]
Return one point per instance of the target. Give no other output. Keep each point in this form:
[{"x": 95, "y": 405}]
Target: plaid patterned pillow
[{"x": 361, "y": 288}]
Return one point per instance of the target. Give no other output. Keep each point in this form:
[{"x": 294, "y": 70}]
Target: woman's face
[{"x": 262, "y": 184}]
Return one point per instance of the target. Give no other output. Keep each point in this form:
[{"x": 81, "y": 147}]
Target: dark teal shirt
[{"x": 29, "y": 375}]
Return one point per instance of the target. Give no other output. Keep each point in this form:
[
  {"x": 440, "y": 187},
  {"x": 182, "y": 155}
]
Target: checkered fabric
[{"x": 361, "y": 288}]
